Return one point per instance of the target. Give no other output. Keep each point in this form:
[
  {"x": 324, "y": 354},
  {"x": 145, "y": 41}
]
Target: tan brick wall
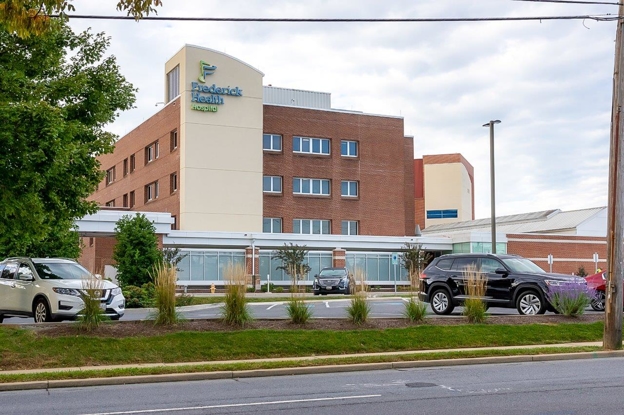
[
  {"x": 158, "y": 127},
  {"x": 384, "y": 169},
  {"x": 569, "y": 252}
]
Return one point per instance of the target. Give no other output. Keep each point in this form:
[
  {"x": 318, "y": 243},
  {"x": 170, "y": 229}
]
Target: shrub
[
  {"x": 263, "y": 287},
  {"x": 235, "y": 310},
  {"x": 136, "y": 251},
  {"x": 474, "y": 306},
  {"x": 279, "y": 290},
  {"x": 251, "y": 289},
  {"x": 134, "y": 296},
  {"x": 165, "y": 278},
  {"x": 581, "y": 271},
  {"x": 298, "y": 311},
  {"x": 91, "y": 315},
  {"x": 570, "y": 299},
  {"x": 415, "y": 310},
  {"x": 184, "y": 299}
]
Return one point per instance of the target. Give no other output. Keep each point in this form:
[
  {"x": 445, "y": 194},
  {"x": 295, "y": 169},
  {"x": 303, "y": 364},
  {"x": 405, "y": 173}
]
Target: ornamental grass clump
[
  {"x": 235, "y": 311},
  {"x": 415, "y": 310},
  {"x": 475, "y": 283},
  {"x": 91, "y": 294},
  {"x": 570, "y": 298},
  {"x": 297, "y": 309},
  {"x": 165, "y": 278},
  {"x": 359, "y": 309}
]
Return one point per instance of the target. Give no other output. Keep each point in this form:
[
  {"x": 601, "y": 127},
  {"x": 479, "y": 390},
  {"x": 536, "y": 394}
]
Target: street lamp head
[{"x": 492, "y": 122}]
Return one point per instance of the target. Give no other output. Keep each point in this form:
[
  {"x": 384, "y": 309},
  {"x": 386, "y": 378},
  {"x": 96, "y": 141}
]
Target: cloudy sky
[{"x": 549, "y": 82}]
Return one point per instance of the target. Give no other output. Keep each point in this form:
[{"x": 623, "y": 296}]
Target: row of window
[
  {"x": 151, "y": 152},
  {"x": 310, "y": 226},
  {"x": 310, "y": 145},
  {"x": 150, "y": 192},
  {"x": 316, "y": 187},
  {"x": 442, "y": 214}
]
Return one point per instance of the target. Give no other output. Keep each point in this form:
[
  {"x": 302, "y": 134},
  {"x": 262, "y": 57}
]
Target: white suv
[{"x": 51, "y": 289}]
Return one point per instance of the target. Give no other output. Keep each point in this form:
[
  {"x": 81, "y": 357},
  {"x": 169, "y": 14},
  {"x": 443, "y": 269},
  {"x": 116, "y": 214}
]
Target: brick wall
[
  {"x": 157, "y": 128},
  {"x": 383, "y": 168},
  {"x": 569, "y": 252}
]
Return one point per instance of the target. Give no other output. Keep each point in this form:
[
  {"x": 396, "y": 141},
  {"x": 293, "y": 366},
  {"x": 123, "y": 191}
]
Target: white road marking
[
  {"x": 276, "y": 304},
  {"x": 235, "y": 405},
  {"x": 475, "y": 391},
  {"x": 327, "y": 304}
]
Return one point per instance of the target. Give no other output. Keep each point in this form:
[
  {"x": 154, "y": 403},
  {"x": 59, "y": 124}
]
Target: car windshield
[
  {"x": 61, "y": 271},
  {"x": 522, "y": 265},
  {"x": 332, "y": 273}
]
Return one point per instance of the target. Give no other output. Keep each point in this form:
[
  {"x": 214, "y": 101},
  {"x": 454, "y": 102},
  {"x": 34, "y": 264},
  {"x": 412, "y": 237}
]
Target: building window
[
  {"x": 308, "y": 145},
  {"x": 125, "y": 200},
  {"x": 132, "y": 163},
  {"x": 442, "y": 214},
  {"x": 151, "y": 191},
  {"x": 110, "y": 176},
  {"x": 91, "y": 241},
  {"x": 151, "y": 152},
  {"x": 271, "y": 142},
  {"x": 174, "y": 225},
  {"x": 272, "y": 184},
  {"x": 173, "y": 83},
  {"x": 110, "y": 203},
  {"x": 173, "y": 140},
  {"x": 173, "y": 182},
  {"x": 311, "y": 186},
  {"x": 348, "y": 148},
  {"x": 272, "y": 225},
  {"x": 132, "y": 199},
  {"x": 349, "y": 188},
  {"x": 350, "y": 227},
  {"x": 311, "y": 226}
]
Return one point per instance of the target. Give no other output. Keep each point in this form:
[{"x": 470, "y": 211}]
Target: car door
[
  {"x": 498, "y": 285},
  {"x": 23, "y": 287},
  {"x": 458, "y": 270},
  {"x": 8, "y": 300}
]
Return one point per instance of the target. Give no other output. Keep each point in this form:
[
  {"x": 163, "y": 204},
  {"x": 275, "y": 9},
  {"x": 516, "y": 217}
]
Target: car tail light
[{"x": 423, "y": 276}]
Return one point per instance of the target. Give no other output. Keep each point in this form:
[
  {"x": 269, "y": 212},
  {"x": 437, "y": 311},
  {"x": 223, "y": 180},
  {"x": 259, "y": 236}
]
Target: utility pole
[{"x": 612, "y": 339}]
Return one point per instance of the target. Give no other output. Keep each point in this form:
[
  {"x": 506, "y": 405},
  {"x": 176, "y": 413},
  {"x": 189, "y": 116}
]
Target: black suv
[
  {"x": 332, "y": 281},
  {"x": 512, "y": 281}
]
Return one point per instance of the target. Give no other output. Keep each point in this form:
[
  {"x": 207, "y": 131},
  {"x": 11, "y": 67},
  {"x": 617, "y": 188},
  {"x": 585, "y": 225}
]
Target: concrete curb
[{"x": 180, "y": 377}]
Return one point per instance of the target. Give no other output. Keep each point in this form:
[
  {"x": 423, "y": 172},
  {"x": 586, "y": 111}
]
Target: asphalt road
[
  {"x": 539, "y": 388},
  {"x": 329, "y": 307}
]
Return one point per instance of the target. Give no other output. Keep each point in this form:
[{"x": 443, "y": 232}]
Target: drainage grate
[{"x": 420, "y": 385}]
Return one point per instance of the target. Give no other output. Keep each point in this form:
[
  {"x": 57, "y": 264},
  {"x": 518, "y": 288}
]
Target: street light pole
[{"x": 492, "y": 185}]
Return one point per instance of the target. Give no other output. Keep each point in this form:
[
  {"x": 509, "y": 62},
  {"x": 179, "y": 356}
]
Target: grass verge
[
  {"x": 196, "y": 368},
  {"x": 24, "y": 349}
]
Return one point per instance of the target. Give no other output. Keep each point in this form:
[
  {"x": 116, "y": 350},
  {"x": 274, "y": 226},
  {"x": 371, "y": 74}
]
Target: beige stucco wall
[
  {"x": 221, "y": 159},
  {"x": 447, "y": 186}
]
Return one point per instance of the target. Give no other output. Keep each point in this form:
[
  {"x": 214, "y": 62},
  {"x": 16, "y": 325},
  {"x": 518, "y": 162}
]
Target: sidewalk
[{"x": 233, "y": 374}]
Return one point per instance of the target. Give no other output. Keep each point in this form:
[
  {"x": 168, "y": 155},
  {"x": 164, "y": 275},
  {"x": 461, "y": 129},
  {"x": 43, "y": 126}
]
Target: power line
[
  {"x": 572, "y": 2},
  {"x": 603, "y": 17}
]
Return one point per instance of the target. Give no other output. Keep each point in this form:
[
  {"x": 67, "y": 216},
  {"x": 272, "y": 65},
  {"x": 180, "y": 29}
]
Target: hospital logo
[{"x": 205, "y": 69}]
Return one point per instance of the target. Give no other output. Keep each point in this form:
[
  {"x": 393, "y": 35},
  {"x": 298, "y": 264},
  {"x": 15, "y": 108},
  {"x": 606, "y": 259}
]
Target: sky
[{"x": 549, "y": 82}]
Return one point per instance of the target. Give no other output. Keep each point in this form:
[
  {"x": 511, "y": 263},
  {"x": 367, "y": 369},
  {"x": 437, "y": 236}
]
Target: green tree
[
  {"x": 414, "y": 258},
  {"x": 293, "y": 259},
  {"x": 32, "y": 17},
  {"x": 136, "y": 252},
  {"x": 57, "y": 93}
]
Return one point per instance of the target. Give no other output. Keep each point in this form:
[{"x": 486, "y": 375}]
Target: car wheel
[
  {"x": 316, "y": 293},
  {"x": 1, "y": 318},
  {"x": 530, "y": 303},
  {"x": 598, "y": 303},
  {"x": 441, "y": 301},
  {"x": 41, "y": 311},
  {"x": 115, "y": 318}
]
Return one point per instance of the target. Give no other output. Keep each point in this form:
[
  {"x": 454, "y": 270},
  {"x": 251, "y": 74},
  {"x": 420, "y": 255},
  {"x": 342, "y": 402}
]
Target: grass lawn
[{"x": 24, "y": 349}]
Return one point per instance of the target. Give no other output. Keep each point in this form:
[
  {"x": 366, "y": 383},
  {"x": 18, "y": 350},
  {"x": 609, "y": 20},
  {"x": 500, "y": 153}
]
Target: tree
[
  {"x": 136, "y": 252},
  {"x": 173, "y": 257},
  {"x": 57, "y": 93},
  {"x": 32, "y": 17},
  {"x": 414, "y": 258},
  {"x": 293, "y": 257}
]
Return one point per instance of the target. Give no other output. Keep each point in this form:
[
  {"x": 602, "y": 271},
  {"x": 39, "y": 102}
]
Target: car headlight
[
  {"x": 66, "y": 291},
  {"x": 116, "y": 291},
  {"x": 554, "y": 283}
]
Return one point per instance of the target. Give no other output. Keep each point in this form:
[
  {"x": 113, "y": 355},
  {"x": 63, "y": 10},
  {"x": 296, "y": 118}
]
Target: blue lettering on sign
[{"x": 214, "y": 89}]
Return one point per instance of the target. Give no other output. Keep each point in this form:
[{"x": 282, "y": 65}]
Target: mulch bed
[{"x": 123, "y": 329}]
